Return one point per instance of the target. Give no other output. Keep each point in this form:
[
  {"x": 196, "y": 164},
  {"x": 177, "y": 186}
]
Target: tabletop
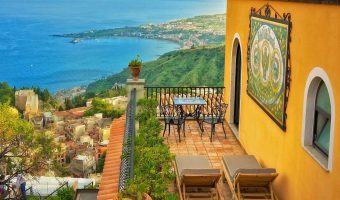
[{"x": 189, "y": 101}]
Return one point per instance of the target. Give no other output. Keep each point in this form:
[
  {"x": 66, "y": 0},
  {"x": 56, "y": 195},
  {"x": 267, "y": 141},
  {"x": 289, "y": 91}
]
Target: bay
[{"x": 31, "y": 56}]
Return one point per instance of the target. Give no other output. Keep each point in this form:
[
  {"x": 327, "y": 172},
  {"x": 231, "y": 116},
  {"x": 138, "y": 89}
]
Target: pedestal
[{"x": 139, "y": 85}]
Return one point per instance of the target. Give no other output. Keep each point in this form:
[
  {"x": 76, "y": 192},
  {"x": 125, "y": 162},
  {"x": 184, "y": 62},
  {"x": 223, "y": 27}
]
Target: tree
[
  {"x": 100, "y": 106},
  {"x": 45, "y": 96},
  {"x": 68, "y": 104},
  {"x": 22, "y": 150},
  {"x": 79, "y": 101},
  {"x": 6, "y": 94}
]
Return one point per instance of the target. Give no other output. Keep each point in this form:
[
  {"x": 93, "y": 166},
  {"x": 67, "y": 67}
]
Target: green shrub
[
  {"x": 152, "y": 168},
  {"x": 100, "y": 106},
  {"x": 101, "y": 162}
]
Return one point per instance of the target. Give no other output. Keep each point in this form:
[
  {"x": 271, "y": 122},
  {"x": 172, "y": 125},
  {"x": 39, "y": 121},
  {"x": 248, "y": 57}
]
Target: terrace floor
[{"x": 194, "y": 144}]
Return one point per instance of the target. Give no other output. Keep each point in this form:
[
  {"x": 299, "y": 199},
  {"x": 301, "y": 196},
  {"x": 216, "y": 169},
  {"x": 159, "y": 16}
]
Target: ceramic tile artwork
[{"x": 267, "y": 65}]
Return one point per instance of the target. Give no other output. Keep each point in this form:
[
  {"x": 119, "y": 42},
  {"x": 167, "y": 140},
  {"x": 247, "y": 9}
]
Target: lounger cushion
[
  {"x": 244, "y": 162},
  {"x": 194, "y": 165}
]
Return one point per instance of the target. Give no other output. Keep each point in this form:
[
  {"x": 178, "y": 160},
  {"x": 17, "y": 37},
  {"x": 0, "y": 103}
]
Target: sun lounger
[
  {"x": 247, "y": 179},
  {"x": 195, "y": 178}
]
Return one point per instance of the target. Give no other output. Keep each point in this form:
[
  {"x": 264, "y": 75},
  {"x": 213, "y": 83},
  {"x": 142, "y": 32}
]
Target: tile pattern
[
  {"x": 195, "y": 144},
  {"x": 108, "y": 188}
]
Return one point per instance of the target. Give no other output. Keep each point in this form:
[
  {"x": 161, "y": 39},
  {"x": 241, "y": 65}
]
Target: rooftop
[{"x": 108, "y": 188}]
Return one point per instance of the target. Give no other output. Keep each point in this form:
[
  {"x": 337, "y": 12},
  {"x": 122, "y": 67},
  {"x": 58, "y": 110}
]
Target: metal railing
[
  {"x": 56, "y": 190},
  {"x": 127, "y": 161},
  {"x": 164, "y": 95}
]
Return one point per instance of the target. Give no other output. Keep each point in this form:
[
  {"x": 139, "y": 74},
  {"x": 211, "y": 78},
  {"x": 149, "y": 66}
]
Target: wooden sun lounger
[
  {"x": 247, "y": 179},
  {"x": 195, "y": 178}
]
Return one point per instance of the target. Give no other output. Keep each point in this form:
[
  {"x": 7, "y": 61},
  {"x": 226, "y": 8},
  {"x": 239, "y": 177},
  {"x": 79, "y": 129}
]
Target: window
[
  {"x": 322, "y": 120},
  {"x": 319, "y": 118}
]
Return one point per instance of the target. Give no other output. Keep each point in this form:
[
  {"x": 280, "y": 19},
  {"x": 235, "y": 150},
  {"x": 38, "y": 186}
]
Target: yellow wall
[{"x": 315, "y": 41}]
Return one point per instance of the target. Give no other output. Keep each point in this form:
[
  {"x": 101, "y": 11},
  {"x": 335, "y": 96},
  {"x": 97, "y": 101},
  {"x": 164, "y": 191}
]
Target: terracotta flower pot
[{"x": 135, "y": 71}]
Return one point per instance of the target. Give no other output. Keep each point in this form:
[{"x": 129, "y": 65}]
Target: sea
[{"x": 31, "y": 56}]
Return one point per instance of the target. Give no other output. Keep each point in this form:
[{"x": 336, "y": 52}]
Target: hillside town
[{"x": 83, "y": 139}]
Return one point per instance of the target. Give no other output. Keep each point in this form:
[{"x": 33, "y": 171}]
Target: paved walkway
[{"x": 194, "y": 144}]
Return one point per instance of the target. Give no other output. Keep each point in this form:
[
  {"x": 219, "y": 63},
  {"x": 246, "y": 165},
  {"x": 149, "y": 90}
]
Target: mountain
[{"x": 202, "y": 66}]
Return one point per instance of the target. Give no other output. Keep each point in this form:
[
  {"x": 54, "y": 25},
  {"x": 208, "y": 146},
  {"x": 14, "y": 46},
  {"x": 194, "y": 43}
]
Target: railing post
[{"x": 138, "y": 84}]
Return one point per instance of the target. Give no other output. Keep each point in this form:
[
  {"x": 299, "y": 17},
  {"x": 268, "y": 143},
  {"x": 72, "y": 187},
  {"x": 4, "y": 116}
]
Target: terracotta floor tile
[{"x": 194, "y": 144}]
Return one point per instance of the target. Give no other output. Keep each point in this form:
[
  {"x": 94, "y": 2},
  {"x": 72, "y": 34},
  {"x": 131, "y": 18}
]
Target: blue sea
[{"x": 31, "y": 56}]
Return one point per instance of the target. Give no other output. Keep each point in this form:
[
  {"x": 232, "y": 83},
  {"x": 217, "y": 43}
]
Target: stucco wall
[{"x": 315, "y": 41}]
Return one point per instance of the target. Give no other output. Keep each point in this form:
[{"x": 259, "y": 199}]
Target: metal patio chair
[
  {"x": 173, "y": 115},
  {"x": 215, "y": 116}
]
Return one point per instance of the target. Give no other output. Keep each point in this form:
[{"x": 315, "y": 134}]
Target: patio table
[{"x": 197, "y": 102}]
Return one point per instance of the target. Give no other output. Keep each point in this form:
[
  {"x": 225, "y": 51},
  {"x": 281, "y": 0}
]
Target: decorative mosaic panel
[{"x": 267, "y": 65}]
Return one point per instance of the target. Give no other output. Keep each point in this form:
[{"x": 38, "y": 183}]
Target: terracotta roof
[
  {"x": 62, "y": 113},
  {"x": 80, "y": 109},
  {"x": 75, "y": 112},
  {"x": 108, "y": 188}
]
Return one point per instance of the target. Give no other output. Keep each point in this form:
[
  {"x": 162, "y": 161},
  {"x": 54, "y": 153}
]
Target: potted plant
[{"x": 135, "y": 65}]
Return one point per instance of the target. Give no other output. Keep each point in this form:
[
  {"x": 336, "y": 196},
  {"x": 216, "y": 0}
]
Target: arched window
[
  {"x": 319, "y": 118},
  {"x": 322, "y": 119}
]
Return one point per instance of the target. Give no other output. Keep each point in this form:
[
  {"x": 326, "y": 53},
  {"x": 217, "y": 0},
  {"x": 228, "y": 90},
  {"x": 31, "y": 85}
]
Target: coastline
[{"x": 191, "y": 32}]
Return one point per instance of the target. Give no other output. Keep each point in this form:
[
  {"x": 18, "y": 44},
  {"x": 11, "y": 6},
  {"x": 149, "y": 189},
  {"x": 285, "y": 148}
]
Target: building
[
  {"x": 83, "y": 165},
  {"x": 282, "y": 85},
  {"x": 27, "y": 101},
  {"x": 75, "y": 113},
  {"x": 48, "y": 118}
]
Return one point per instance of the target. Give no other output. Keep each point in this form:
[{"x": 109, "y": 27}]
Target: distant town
[{"x": 191, "y": 32}]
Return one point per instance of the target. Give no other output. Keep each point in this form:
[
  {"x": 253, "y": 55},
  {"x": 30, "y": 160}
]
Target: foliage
[
  {"x": 191, "y": 67},
  {"x": 146, "y": 109},
  {"x": 100, "y": 106},
  {"x": 152, "y": 169},
  {"x": 75, "y": 102},
  {"x": 6, "y": 94},
  {"x": 101, "y": 162},
  {"x": 79, "y": 101},
  {"x": 22, "y": 150},
  {"x": 137, "y": 62},
  {"x": 114, "y": 92},
  {"x": 66, "y": 193},
  {"x": 68, "y": 104}
]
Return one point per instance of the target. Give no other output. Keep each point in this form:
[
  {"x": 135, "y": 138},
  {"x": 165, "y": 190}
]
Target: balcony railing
[
  {"x": 164, "y": 95},
  {"x": 127, "y": 161}
]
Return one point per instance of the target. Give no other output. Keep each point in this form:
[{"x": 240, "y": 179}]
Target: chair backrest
[
  {"x": 166, "y": 110},
  {"x": 219, "y": 110},
  {"x": 170, "y": 110}
]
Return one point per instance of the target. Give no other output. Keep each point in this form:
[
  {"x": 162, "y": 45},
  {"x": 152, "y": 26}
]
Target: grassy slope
[{"x": 192, "y": 67}]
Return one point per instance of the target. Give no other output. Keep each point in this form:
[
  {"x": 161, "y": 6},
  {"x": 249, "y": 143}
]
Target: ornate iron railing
[
  {"x": 127, "y": 161},
  {"x": 164, "y": 95}
]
